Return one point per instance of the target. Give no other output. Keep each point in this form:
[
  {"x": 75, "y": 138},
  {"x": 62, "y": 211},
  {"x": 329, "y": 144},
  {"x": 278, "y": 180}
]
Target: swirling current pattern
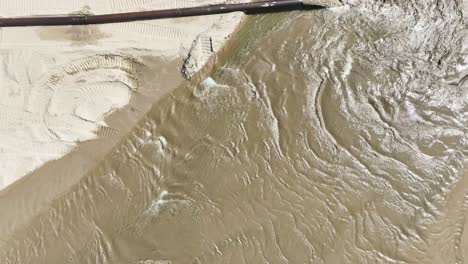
[{"x": 327, "y": 137}]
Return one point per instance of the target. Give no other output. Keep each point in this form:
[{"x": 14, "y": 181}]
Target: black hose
[{"x": 262, "y": 6}]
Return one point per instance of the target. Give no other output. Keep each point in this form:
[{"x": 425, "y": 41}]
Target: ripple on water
[{"x": 336, "y": 138}]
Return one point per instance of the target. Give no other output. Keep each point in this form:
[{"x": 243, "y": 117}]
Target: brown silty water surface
[{"x": 332, "y": 136}]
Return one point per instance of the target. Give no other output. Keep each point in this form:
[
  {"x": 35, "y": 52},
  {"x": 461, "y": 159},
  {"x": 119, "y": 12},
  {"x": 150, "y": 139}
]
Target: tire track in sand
[
  {"x": 65, "y": 82},
  {"x": 149, "y": 31},
  {"x": 42, "y": 93}
]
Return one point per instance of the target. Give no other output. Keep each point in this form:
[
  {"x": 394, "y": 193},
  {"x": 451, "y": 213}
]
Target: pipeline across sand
[{"x": 84, "y": 19}]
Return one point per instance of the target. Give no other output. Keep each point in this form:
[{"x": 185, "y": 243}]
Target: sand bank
[{"x": 61, "y": 83}]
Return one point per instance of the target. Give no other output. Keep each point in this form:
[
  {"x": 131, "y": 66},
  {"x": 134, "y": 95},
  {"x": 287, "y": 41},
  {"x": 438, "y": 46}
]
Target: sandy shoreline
[
  {"x": 158, "y": 50},
  {"x": 62, "y": 83}
]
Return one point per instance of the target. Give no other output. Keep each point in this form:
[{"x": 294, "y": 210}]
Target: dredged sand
[{"x": 59, "y": 84}]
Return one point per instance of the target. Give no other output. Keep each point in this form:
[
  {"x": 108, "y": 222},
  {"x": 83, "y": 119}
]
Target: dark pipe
[{"x": 148, "y": 15}]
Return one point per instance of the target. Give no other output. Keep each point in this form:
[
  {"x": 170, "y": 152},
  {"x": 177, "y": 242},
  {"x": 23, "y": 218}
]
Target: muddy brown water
[{"x": 317, "y": 137}]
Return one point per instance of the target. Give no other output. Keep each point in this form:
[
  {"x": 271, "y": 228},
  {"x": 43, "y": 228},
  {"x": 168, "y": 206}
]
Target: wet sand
[
  {"x": 156, "y": 52},
  {"x": 56, "y": 177},
  {"x": 63, "y": 82}
]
